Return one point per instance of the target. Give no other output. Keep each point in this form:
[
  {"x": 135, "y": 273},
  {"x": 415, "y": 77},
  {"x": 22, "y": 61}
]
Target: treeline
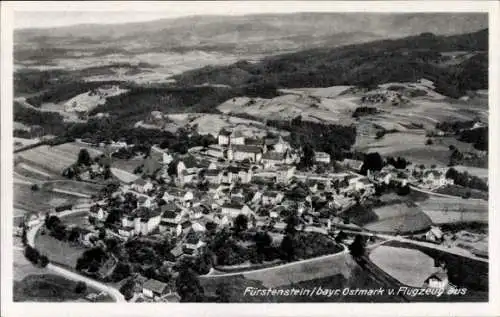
[
  {"x": 478, "y": 137},
  {"x": 65, "y": 91},
  {"x": 454, "y": 126},
  {"x": 330, "y": 138},
  {"x": 466, "y": 180},
  {"x": 362, "y": 65},
  {"x": 51, "y": 122}
]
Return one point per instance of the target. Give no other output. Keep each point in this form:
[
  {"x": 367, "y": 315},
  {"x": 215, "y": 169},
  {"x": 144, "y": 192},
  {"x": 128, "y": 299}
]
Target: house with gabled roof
[
  {"x": 155, "y": 289},
  {"x": 213, "y": 176},
  {"x": 237, "y": 138},
  {"x": 277, "y": 144},
  {"x": 193, "y": 244},
  {"x": 233, "y": 209},
  {"x": 271, "y": 198},
  {"x": 223, "y": 137},
  {"x": 142, "y": 186},
  {"x": 240, "y": 153},
  {"x": 271, "y": 159}
]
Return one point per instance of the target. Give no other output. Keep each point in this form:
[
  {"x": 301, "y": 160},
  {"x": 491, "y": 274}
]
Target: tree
[
  {"x": 291, "y": 223},
  {"x": 80, "y": 287},
  {"x": 84, "y": 158},
  {"x": 287, "y": 247},
  {"x": 429, "y": 142},
  {"x": 127, "y": 289},
  {"x": 222, "y": 293},
  {"x": 341, "y": 236},
  {"x": 372, "y": 162},
  {"x": 240, "y": 223},
  {"x": 102, "y": 234},
  {"x": 357, "y": 247},
  {"x": 307, "y": 159},
  {"x": 43, "y": 261},
  {"x": 107, "y": 172},
  {"x": 188, "y": 286},
  {"x": 262, "y": 242},
  {"x": 35, "y": 187}
]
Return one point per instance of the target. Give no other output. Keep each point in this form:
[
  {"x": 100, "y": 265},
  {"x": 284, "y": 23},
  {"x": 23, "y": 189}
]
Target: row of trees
[{"x": 466, "y": 180}]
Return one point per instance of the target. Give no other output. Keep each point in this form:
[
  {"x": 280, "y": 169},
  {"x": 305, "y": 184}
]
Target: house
[
  {"x": 213, "y": 176},
  {"x": 277, "y": 144},
  {"x": 271, "y": 159},
  {"x": 233, "y": 209},
  {"x": 244, "y": 152},
  {"x": 98, "y": 213},
  {"x": 145, "y": 201},
  {"x": 154, "y": 289},
  {"x": 271, "y": 198},
  {"x": 193, "y": 244},
  {"x": 237, "y": 138},
  {"x": 322, "y": 157},
  {"x": 434, "y": 234},
  {"x": 223, "y": 137},
  {"x": 173, "y": 193},
  {"x": 167, "y": 158},
  {"x": 436, "y": 178},
  {"x": 284, "y": 173},
  {"x": 360, "y": 183},
  {"x": 381, "y": 177},
  {"x": 126, "y": 232},
  {"x": 146, "y": 220},
  {"x": 189, "y": 164},
  {"x": 215, "y": 150},
  {"x": 354, "y": 165},
  {"x": 437, "y": 280},
  {"x": 142, "y": 186}
]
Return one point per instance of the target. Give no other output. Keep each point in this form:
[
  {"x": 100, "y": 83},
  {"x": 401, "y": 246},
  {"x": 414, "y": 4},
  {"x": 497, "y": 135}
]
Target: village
[{"x": 240, "y": 183}]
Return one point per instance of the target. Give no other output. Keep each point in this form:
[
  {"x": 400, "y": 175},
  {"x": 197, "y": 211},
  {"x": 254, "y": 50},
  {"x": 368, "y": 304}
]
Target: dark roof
[
  {"x": 246, "y": 148},
  {"x": 237, "y": 134},
  {"x": 270, "y": 194},
  {"x": 167, "y": 224},
  {"x": 192, "y": 238},
  {"x": 189, "y": 161},
  {"x": 212, "y": 172},
  {"x": 169, "y": 214},
  {"x": 224, "y": 132},
  {"x": 233, "y": 205},
  {"x": 275, "y": 156},
  {"x": 155, "y": 286},
  {"x": 234, "y": 169},
  {"x": 140, "y": 182},
  {"x": 253, "y": 142}
]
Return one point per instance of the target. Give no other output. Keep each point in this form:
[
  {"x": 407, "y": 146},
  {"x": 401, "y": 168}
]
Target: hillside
[{"x": 368, "y": 64}]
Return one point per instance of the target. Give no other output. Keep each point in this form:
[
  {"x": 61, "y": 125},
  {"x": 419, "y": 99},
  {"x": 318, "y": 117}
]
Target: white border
[{"x": 9, "y": 309}]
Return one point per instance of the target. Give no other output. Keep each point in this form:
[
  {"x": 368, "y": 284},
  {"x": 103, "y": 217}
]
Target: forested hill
[{"x": 455, "y": 63}]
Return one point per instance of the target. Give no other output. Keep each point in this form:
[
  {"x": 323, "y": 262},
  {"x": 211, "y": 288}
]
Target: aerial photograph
[{"x": 250, "y": 157}]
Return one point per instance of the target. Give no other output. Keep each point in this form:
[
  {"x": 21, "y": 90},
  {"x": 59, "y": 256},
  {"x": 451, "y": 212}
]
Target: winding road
[{"x": 113, "y": 292}]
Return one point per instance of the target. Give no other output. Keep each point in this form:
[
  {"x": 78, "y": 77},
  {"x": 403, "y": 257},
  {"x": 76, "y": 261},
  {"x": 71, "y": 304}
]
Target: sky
[
  {"x": 52, "y": 14},
  {"x": 47, "y": 16}
]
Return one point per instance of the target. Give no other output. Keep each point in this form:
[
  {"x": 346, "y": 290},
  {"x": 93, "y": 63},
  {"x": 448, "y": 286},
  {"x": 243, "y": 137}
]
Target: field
[
  {"x": 39, "y": 201},
  {"x": 460, "y": 191},
  {"x": 21, "y": 266},
  {"x": 58, "y": 251},
  {"x": 54, "y": 158},
  {"x": 390, "y": 218},
  {"x": 49, "y": 288},
  {"x": 342, "y": 273},
  {"x": 412, "y": 267},
  {"x": 462, "y": 271},
  {"x": 123, "y": 175},
  {"x": 449, "y": 210},
  {"x": 74, "y": 186},
  {"x": 475, "y": 171}
]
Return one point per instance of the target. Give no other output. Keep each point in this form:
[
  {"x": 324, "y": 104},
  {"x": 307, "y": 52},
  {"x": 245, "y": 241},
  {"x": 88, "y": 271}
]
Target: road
[
  {"x": 456, "y": 251},
  {"x": 444, "y": 195},
  {"x": 113, "y": 292}
]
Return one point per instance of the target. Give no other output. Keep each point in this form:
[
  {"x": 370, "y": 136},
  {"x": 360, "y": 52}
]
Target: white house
[
  {"x": 436, "y": 178},
  {"x": 150, "y": 223},
  {"x": 244, "y": 152},
  {"x": 277, "y": 144},
  {"x": 167, "y": 158},
  {"x": 271, "y": 198},
  {"x": 284, "y": 173},
  {"x": 434, "y": 234},
  {"x": 142, "y": 186},
  {"x": 237, "y": 138},
  {"x": 193, "y": 244},
  {"x": 223, "y": 138},
  {"x": 354, "y": 165},
  {"x": 233, "y": 209},
  {"x": 98, "y": 213},
  {"x": 437, "y": 280},
  {"x": 322, "y": 157},
  {"x": 271, "y": 159}
]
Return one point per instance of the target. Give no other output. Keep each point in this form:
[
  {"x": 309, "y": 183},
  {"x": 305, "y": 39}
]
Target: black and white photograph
[{"x": 248, "y": 152}]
